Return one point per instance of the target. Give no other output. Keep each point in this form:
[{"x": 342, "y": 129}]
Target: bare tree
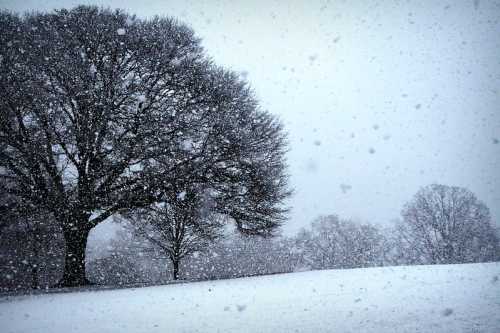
[
  {"x": 238, "y": 255},
  {"x": 336, "y": 243},
  {"x": 447, "y": 224},
  {"x": 101, "y": 113},
  {"x": 180, "y": 226}
]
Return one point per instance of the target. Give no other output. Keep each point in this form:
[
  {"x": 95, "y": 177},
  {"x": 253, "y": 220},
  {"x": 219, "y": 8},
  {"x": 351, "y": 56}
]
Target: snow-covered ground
[{"x": 448, "y": 298}]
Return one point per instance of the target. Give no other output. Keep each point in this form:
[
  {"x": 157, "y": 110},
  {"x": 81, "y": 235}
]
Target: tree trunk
[
  {"x": 74, "y": 261},
  {"x": 35, "y": 283},
  {"x": 175, "y": 263}
]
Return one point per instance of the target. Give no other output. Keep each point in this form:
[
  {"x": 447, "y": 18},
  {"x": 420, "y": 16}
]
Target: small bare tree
[
  {"x": 447, "y": 224},
  {"x": 182, "y": 225}
]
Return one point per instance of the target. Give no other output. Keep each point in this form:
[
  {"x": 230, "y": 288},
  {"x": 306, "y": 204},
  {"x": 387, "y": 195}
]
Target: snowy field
[{"x": 451, "y": 298}]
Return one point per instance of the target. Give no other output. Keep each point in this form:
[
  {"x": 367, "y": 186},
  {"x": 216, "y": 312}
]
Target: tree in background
[
  {"x": 126, "y": 260},
  {"x": 335, "y": 243},
  {"x": 238, "y": 255},
  {"x": 446, "y": 224},
  {"x": 101, "y": 113},
  {"x": 182, "y": 225}
]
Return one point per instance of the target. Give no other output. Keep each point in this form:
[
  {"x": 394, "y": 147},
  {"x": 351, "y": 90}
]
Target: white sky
[{"x": 378, "y": 98}]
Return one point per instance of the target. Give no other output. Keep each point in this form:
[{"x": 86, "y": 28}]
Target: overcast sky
[{"x": 378, "y": 98}]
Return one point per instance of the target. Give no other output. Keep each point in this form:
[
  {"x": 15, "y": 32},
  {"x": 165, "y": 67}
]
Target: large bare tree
[{"x": 101, "y": 113}]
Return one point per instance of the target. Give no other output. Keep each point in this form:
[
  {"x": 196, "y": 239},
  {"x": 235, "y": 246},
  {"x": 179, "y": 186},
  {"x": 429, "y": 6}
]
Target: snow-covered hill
[{"x": 451, "y": 298}]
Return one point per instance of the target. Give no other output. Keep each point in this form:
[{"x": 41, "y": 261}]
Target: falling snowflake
[
  {"x": 187, "y": 145},
  {"x": 175, "y": 62},
  {"x": 181, "y": 195},
  {"x": 141, "y": 98},
  {"x": 447, "y": 312},
  {"x": 345, "y": 188},
  {"x": 121, "y": 31}
]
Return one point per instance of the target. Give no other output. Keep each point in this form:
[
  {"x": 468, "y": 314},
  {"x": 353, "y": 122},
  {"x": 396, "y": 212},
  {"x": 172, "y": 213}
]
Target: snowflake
[{"x": 181, "y": 195}]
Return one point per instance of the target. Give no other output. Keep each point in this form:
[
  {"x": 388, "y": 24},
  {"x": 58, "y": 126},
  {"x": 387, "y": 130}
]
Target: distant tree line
[{"x": 440, "y": 225}]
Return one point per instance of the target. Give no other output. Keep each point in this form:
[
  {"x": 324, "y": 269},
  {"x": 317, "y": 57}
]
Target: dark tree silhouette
[
  {"x": 30, "y": 242},
  {"x": 182, "y": 225},
  {"x": 101, "y": 113}
]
